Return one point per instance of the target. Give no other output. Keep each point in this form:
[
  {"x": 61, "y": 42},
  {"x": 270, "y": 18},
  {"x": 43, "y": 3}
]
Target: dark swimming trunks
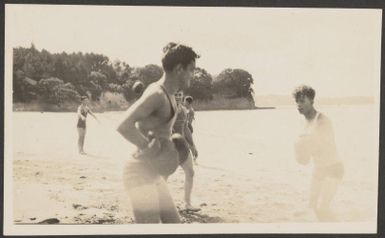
[{"x": 183, "y": 149}]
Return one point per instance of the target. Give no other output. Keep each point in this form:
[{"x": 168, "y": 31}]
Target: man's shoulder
[
  {"x": 322, "y": 116},
  {"x": 83, "y": 108},
  {"x": 153, "y": 95},
  {"x": 185, "y": 110},
  {"x": 323, "y": 119},
  {"x": 153, "y": 87},
  {"x": 153, "y": 90}
]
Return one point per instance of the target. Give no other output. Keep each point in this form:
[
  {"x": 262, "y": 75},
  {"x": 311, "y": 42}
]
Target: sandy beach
[{"x": 246, "y": 170}]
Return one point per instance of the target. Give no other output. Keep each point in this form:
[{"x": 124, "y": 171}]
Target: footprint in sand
[{"x": 79, "y": 207}]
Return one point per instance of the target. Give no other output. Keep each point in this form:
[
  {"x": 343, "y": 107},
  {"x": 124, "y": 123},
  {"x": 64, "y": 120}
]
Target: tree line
[{"x": 41, "y": 76}]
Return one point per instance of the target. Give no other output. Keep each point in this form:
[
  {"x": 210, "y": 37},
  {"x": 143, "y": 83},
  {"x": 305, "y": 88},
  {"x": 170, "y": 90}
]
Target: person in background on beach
[
  {"x": 82, "y": 112},
  {"x": 186, "y": 150},
  {"x": 148, "y": 125},
  {"x": 317, "y": 143},
  {"x": 188, "y": 100}
]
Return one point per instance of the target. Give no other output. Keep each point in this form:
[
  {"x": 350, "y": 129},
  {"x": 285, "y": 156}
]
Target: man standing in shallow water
[
  {"x": 148, "y": 125},
  {"x": 317, "y": 142}
]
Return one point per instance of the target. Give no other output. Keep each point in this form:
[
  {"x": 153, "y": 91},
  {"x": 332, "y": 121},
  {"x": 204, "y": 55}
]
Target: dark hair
[
  {"x": 174, "y": 54},
  {"x": 82, "y": 98},
  {"x": 188, "y": 99},
  {"x": 304, "y": 90}
]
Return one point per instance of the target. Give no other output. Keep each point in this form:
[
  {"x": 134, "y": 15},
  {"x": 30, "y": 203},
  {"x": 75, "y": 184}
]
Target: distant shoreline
[
  {"x": 53, "y": 108},
  {"x": 218, "y": 104},
  {"x": 34, "y": 109},
  {"x": 106, "y": 104}
]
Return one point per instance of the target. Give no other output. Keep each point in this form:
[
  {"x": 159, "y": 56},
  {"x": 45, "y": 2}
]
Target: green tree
[
  {"x": 24, "y": 88},
  {"x": 98, "y": 83},
  {"x": 127, "y": 91},
  {"x": 147, "y": 74},
  {"x": 234, "y": 83},
  {"x": 201, "y": 85},
  {"x": 55, "y": 91}
]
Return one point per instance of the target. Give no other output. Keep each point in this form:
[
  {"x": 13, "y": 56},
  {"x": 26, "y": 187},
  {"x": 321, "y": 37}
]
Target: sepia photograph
[{"x": 191, "y": 120}]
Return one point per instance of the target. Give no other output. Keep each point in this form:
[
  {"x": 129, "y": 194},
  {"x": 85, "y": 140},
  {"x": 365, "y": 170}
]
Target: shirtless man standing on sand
[
  {"x": 148, "y": 125},
  {"x": 82, "y": 112},
  {"x": 318, "y": 143}
]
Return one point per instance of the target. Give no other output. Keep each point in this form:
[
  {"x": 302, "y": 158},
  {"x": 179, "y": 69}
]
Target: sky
[{"x": 337, "y": 51}]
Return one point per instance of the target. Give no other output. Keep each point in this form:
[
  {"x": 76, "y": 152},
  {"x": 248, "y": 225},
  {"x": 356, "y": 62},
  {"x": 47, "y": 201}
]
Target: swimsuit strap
[
  {"x": 311, "y": 124},
  {"x": 173, "y": 110},
  {"x": 317, "y": 116}
]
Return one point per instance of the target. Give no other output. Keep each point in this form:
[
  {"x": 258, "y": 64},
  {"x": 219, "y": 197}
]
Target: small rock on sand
[{"x": 50, "y": 221}]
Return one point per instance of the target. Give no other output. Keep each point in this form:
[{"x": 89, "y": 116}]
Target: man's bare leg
[
  {"x": 145, "y": 203},
  {"x": 329, "y": 190},
  {"x": 188, "y": 169},
  {"x": 315, "y": 191},
  {"x": 167, "y": 209},
  {"x": 82, "y": 134}
]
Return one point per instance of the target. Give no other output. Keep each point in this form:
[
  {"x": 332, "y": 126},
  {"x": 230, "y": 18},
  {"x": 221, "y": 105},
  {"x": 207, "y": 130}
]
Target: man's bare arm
[
  {"x": 188, "y": 136},
  {"x": 92, "y": 113},
  {"x": 140, "y": 110},
  {"x": 190, "y": 141}
]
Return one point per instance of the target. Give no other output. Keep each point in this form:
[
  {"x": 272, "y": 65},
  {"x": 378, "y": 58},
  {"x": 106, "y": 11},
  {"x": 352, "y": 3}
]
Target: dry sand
[{"x": 246, "y": 172}]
